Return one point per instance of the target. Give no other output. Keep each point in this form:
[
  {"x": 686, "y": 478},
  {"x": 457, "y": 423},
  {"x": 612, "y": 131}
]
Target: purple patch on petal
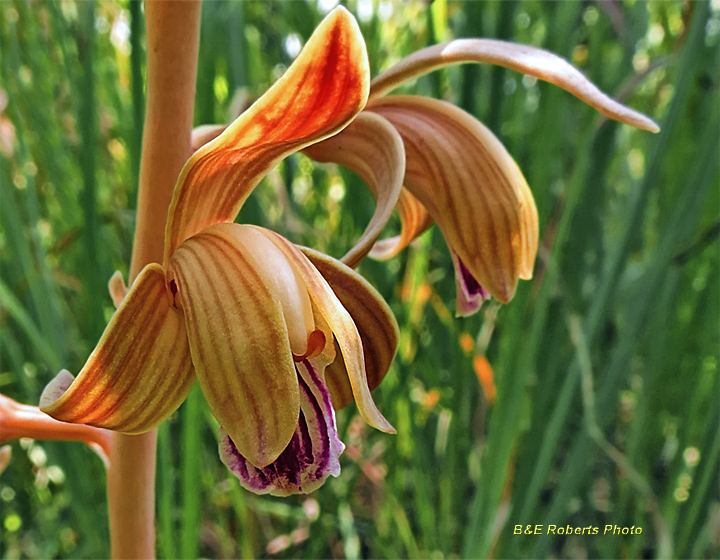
[
  {"x": 470, "y": 294},
  {"x": 310, "y": 457}
]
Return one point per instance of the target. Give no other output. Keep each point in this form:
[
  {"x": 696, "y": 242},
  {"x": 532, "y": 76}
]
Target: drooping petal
[
  {"x": 529, "y": 60},
  {"x": 343, "y": 327},
  {"x": 239, "y": 341},
  {"x": 140, "y": 371},
  {"x": 312, "y": 454},
  {"x": 470, "y": 294},
  {"x": 470, "y": 186},
  {"x": 320, "y": 93},
  {"x": 374, "y": 321},
  {"x": 414, "y": 219},
  {"x": 371, "y": 148}
]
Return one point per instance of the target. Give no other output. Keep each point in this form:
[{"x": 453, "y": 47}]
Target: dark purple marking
[
  {"x": 310, "y": 456},
  {"x": 471, "y": 284},
  {"x": 470, "y": 293}
]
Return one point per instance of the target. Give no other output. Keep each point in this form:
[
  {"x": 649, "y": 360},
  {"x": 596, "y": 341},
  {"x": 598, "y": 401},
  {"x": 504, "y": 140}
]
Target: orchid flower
[
  {"x": 277, "y": 336},
  {"x": 458, "y": 173}
]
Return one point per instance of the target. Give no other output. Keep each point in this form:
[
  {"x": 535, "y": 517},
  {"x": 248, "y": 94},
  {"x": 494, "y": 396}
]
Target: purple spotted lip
[
  {"x": 470, "y": 294},
  {"x": 310, "y": 457}
]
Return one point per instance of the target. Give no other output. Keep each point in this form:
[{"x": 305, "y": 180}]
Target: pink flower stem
[
  {"x": 25, "y": 421},
  {"x": 173, "y": 34}
]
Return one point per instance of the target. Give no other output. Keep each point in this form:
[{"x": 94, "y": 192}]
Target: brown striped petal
[
  {"x": 371, "y": 148},
  {"x": 343, "y": 327},
  {"x": 320, "y": 93},
  {"x": 470, "y": 186},
  {"x": 239, "y": 341},
  {"x": 140, "y": 371},
  {"x": 529, "y": 60},
  {"x": 414, "y": 219},
  {"x": 374, "y": 321}
]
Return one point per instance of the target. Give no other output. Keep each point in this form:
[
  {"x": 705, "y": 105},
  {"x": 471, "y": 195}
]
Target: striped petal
[
  {"x": 374, "y": 321},
  {"x": 470, "y": 186},
  {"x": 320, "y": 93},
  {"x": 343, "y": 327},
  {"x": 140, "y": 371},
  {"x": 239, "y": 339},
  {"x": 414, "y": 219},
  {"x": 312, "y": 454},
  {"x": 529, "y": 60},
  {"x": 371, "y": 148}
]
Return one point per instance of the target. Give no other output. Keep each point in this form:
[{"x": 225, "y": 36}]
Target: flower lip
[
  {"x": 310, "y": 457},
  {"x": 470, "y": 293}
]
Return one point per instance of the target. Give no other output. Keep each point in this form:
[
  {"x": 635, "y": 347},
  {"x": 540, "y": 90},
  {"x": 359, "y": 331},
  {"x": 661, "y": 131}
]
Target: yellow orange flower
[{"x": 275, "y": 335}]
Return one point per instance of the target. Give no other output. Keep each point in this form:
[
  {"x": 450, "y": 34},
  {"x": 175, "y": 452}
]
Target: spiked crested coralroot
[
  {"x": 271, "y": 333},
  {"x": 458, "y": 173}
]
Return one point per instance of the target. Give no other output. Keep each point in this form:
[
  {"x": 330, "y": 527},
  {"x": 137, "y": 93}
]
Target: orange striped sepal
[
  {"x": 238, "y": 331},
  {"x": 470, "y": 186},
  {"x": 373, "y": 149},
  {"x": 532, "y": 61},
  {"x": 373, "y": 318},
  {"x": 140, "y": 371},
  {"x": 414, "y": 219},
  {"x": 321, "y": 92},
  {"x": 329, "y": 308}
]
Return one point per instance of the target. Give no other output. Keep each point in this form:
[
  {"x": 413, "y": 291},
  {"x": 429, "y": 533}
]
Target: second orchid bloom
[{"x": 457, "y": 173}]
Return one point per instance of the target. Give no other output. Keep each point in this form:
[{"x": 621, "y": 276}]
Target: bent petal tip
[
  {"x": 311, "y": 455},
  {"x": 57, "y": 386}
]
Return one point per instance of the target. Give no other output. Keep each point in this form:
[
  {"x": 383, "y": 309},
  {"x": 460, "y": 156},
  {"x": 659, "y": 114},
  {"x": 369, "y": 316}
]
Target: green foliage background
[{"x": 605, "y": 364}]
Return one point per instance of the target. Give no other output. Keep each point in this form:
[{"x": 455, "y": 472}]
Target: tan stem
[{"x": 173, "y": 34}]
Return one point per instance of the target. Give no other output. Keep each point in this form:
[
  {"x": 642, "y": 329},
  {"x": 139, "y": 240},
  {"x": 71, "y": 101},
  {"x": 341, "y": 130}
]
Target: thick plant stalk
[{"x": 172, "y": 44}]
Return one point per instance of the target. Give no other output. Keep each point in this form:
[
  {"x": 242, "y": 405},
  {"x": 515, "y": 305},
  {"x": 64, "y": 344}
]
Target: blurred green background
[{"x": 604, "y": 366}]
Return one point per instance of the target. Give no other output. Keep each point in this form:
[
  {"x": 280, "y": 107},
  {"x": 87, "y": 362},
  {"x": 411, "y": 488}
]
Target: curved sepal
[
  {"x": 470, "y": 186},
  {"x": 374, "y": 321},
  {"x": 239, "y": 341},
  {"x": 532, "y": 61},
  {"x": 414, "y": 219},
  {"x": 140, "y": 371},
  {"x": 343, "y": 327},
  {"x": 371, "y": 148},
  {"x": 320, "y": 93}
]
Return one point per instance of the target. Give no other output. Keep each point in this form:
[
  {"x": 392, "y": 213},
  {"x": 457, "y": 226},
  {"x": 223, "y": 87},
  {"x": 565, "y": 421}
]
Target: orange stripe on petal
[
  {"x": 371, "y": 148},
  {"x": 239, "y": 341},
  {"x": 415, "y": 220},
  {"x": 343, "y": 327},
  {"x": 470, "y": 186},
  {"x": 529, "y": 60},
  {"x": 140, "y": 371},
  {"x": 320, "y": 93},
  {"x": 374, "y": 321}
]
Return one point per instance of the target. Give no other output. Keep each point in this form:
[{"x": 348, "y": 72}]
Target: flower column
[{"x": 172, "y": 48}]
